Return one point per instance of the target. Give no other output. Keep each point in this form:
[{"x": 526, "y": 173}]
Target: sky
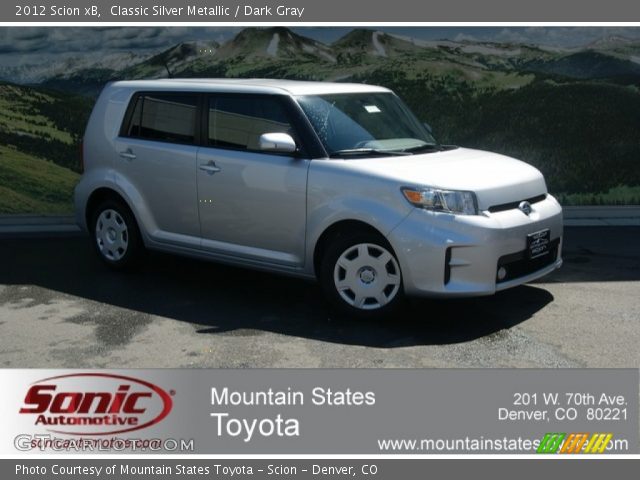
[{"x": 21, "y": 45}]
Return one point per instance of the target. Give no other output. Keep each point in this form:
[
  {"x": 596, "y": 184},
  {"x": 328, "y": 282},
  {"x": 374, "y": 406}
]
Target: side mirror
[
  {"x": 428, "y": 127},
  {"x": 277, "y": 142}
]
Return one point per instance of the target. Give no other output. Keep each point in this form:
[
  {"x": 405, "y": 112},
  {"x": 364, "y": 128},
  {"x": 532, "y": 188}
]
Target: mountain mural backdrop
[{"x": 572, "y": 112}]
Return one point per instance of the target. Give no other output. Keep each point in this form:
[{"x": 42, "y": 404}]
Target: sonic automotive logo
[{"x": 96, "y": 404}]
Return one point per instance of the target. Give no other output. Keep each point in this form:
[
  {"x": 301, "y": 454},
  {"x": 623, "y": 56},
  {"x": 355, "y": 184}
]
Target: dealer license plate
[{"x": 538, "y": 243}]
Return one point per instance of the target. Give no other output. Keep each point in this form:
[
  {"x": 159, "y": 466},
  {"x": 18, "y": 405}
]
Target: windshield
[{"x": 365, "y": 123}]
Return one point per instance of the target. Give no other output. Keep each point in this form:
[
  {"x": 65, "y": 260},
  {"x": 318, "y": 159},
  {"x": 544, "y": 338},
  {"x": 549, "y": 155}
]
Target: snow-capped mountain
[{"x": 278, "y": 51}]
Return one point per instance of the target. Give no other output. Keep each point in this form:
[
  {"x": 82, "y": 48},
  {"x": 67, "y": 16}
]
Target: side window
[
  {"x": 238, "y": 121},
  {"x": 134, "y": 123},
  {"x": 164, "y": 117}
]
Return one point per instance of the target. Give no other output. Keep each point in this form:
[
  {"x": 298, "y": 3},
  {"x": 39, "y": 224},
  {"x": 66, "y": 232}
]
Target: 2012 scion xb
[{"x": 330, "y": 181}]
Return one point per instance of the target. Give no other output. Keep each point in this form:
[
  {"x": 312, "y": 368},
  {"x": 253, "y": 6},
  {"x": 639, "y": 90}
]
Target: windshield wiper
[
  {"x": 426, "y": 146},
  {"x": 366, "y": 151}
]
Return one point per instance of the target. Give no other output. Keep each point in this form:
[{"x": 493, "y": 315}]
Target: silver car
[{"x": 330, "y": 181}]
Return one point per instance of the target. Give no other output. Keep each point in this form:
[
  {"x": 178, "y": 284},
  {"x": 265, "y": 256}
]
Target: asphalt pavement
[{"x": 60, "y": 307}]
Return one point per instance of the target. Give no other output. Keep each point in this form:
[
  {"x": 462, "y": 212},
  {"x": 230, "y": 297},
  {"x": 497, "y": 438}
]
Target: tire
[
  {"x": 361, "y": 277},
  {"x": 115, "y": 235}
]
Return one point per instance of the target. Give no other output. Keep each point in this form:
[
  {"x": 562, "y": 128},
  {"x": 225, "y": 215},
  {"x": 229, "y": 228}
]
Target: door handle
[
  {"x": 210, "y": 168},
  {"x": 128, "y": 154}
]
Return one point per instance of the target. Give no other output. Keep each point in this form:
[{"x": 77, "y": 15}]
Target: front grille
[
  {"x": 511, "y": 205},
  {"x": 519, "y": 265}
]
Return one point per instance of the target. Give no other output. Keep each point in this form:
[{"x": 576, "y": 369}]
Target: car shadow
[{"x": 221, "y": 300}]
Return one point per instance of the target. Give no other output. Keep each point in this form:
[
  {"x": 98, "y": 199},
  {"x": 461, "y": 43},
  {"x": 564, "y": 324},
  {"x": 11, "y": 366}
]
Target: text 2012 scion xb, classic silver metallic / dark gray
[{"x": 330, "y": 181}]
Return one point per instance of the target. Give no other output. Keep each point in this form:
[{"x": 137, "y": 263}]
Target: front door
[{"x": 252, "y": 203}]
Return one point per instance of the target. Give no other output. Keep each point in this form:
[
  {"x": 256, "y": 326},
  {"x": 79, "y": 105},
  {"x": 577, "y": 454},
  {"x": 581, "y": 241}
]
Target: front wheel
[{"x": 361, "y": 275}]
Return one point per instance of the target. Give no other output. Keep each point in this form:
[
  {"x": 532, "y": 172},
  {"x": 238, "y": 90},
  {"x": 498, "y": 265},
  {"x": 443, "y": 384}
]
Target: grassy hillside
[
  {"x": 39, "y": 136},
  {"x": 43, "y": 123},
  {"x": 30, "y": 184}
]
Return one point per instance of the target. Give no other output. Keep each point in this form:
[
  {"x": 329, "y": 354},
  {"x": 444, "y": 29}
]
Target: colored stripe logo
[
  {"x": 598, "y": 442},
  {"x": 574, "y": 443},
  {"x": 551, "y": 442}
]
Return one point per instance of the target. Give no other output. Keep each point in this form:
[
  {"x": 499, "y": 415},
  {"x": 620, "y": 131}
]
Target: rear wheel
[
  {"x": 361, "y": 276},
  {"x": 116, "y": 237}
]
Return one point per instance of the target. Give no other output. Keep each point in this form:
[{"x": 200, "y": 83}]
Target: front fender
[{"x": 381, "y": 216}]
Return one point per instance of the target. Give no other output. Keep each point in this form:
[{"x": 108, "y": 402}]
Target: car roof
[{"x": 249, "y": 85}]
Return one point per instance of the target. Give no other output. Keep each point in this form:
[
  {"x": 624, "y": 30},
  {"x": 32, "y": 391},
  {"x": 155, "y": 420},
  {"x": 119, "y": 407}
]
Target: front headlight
[{"x": 439, "y": 200}]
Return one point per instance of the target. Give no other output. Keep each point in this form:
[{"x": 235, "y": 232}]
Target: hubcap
[
  {"x": 112, "y": 235},
  {"x": 367, "y": 276}
]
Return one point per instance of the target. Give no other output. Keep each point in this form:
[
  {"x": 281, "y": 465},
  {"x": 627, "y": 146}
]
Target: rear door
[
  {"x": 157, "y": 153},
  {"x": 252, "y": 203}
]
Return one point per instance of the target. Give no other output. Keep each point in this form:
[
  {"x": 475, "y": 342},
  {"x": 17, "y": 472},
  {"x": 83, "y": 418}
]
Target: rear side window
[
  {"x": 238, "y": 121},
  {"x": 164, "y": 117}
]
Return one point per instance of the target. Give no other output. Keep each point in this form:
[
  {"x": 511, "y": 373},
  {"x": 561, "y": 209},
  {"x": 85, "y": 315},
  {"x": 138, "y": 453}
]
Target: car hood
[{"x": 496, "y": 179}]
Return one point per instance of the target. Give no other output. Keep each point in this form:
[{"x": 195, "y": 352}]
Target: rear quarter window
[{"x": 163, "y": 117}]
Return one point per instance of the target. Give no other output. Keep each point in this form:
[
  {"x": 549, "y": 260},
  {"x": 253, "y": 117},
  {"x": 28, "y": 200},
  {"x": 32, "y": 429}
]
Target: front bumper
[{"x": 456, "y": 255}]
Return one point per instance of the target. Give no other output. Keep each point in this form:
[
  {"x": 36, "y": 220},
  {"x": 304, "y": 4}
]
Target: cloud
[
  {"x": 465, "y": 37},
  {"x": 563, "y": 36},
  {"x": 96, "y": 40},
  {"x": 548, "y": 36}
]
